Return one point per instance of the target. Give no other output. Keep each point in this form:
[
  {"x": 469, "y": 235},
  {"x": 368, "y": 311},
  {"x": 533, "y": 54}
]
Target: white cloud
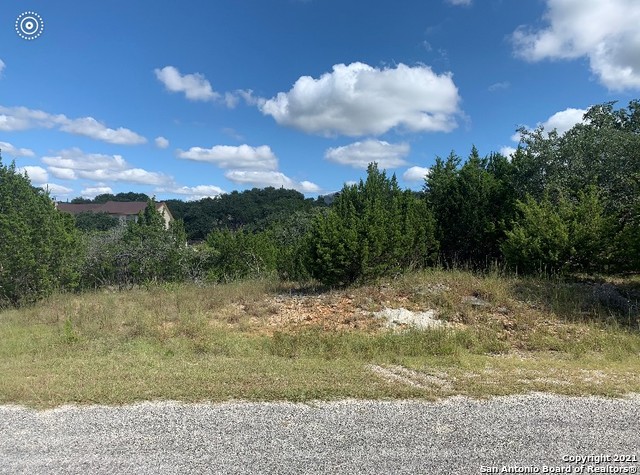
[
  {"x": 90, "y": 127},
  {"x": 75, "y": 164},
  {"x": 56, "y": 190},
  {"x": 22, "y": 118},
  {"x": 62, "y": 173},
  {"x": 357, "y": 99},
  {"x": 93, "y": 191},
  {"x": 564, "y": 120},
  {"x": 415, "y": 174},
  {"x": 360, "y": 154},
  {"x": 2, "y": 65},
  {"x": 36, "y": 174},
  {"x": 194, "y": 193},
  {"x": 8, "y": 149},
  {"x": 131, "y": 175},
  {"x": 507, "y": 151},
  {"x": 231, "y": 100},
  {"x": 161, "y": 142},
  {"x": 465, "y": 3},
  {"x": 227, "y": 156},
  {"x": 195, "y": 86},
  {"x": 308, "y": 187},
  {"x": 499, "y": 86},
  {"x": 40, "y": 178},
  {"x": 249, "y": 98},
  {"x": 270, "y": 178},
  {"x": 606, "y": 32},
  {"x": 76, "y": 159}
]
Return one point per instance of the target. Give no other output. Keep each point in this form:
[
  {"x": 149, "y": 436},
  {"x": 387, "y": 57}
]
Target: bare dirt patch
[{"x": 329, "y": 312}]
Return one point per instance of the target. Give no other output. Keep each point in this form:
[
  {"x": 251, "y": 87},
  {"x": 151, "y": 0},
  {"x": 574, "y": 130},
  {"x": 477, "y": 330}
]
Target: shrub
[{"x": 240, "y": 254}]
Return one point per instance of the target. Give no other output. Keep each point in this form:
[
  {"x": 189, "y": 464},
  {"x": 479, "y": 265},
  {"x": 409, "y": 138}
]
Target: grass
[{"x": 505, "y": 335}]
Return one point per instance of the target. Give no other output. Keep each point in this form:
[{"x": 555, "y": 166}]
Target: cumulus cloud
[
  {"x": 11, "y": 151},
  {"x": 36, "y": 174},
  {"x": 161, "y": 142},
  {"x": 605, "y": 32},
  {"x": 415, "y": 174},
  {"x": 227, "y": 156},
  {"x": 2, "y": 65},
  {"x": 194, "y": 86},
  {"x": 194, "y": 193},
  {"x": 22, "y": 118},
  {"x": 270, "y": 178},
  {"x": 564, "y": 120},
  {"x": 360, "y": 154},
  {"x": 357, "y": 99},
  {"x": 561, "y": 121},
  {"x": 75, "y": 164},
  {"x": 93, "y": 191},
  {"x": 465, "y": 3}
]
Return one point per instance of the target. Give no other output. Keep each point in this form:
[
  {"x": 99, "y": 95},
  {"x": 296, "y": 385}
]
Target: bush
[
  {"x": 240, "y": 254},
  {"x": 144, "y": 251}
]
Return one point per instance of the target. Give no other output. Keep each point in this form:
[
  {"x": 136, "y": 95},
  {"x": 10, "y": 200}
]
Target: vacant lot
[{"x": 270, "y": 341}]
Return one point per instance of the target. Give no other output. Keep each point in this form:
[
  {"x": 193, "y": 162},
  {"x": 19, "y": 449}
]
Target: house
[{"x": 123, "y": 210}]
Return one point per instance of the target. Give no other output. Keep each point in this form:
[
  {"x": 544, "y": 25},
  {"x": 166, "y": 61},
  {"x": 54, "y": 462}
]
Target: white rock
[{"x": 398, "y": 317}]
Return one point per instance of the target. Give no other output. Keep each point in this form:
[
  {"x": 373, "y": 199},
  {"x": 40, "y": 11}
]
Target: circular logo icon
[{"x": 29, "y": 25}]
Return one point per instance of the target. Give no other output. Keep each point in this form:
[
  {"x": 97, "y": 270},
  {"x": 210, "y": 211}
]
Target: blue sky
[{"x": 195, "y": 98}]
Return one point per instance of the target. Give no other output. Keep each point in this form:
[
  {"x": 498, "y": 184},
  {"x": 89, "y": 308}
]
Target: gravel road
[{"x": 453, "y": 436}]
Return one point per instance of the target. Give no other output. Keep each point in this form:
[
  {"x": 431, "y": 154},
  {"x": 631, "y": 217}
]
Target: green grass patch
[{"x": 217, "y": 342}]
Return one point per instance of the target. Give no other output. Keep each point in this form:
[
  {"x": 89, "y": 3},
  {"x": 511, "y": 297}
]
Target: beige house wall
[{"x": 164, "y": 211}]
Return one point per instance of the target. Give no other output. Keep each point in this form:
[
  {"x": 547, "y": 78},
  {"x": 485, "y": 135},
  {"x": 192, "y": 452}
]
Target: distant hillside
[{"x": 238, "y": 209}]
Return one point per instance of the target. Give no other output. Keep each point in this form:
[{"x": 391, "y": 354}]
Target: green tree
[
  {"x": 539, "y": 240},
  {"x": 89, "y": 221},
  {"x": 591, "y": 232},
  {"x": 601, "y": 152},
  {"x": 472, "y": 206},
  {"x": 372, "y": 229},
  {"x": 152, "y": 252},
  {"x": 39, "y": 246}
]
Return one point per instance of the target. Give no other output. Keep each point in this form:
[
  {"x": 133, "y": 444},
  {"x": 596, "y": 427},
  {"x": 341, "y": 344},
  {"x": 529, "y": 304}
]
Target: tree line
[
  {"x": 563, "y": 203},
  {"x": 254, "y": 208}
]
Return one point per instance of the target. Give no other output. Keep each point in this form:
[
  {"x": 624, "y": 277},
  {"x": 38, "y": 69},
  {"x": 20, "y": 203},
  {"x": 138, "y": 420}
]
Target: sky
[{"x": 197, "y": 98}]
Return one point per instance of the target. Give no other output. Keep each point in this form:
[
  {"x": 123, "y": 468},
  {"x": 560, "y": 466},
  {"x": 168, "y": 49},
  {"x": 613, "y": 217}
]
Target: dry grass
[{"x": 264, "y": 340}]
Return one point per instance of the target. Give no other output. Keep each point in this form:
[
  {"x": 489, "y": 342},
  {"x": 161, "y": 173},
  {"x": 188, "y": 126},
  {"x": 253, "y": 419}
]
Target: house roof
[{"x": 111, "y": 207}]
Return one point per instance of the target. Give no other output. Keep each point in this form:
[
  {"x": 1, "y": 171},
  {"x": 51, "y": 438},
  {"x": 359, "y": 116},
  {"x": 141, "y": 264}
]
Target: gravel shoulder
[{"x": 455, "y": 435}]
